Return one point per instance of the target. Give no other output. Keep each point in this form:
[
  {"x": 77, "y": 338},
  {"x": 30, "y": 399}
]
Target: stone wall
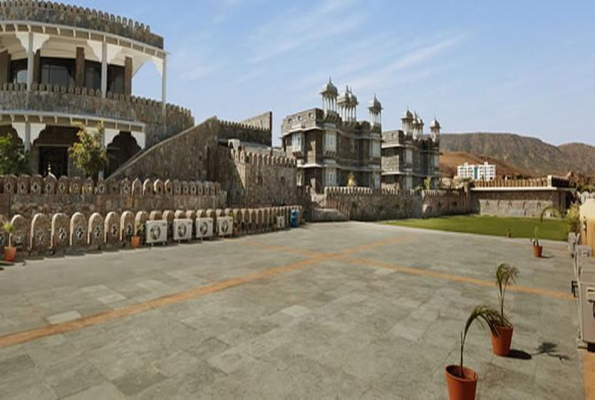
[
  {"x": 83, "y": 102},
  {"x": 190, "y": 155},
  {"x": 79, "y": 17},
  {"x": 245, "y": 133},
  {"x": 253, "y": 179},
  {"x": 262, "y": 121},
  {"x": 28, "y": 196},
  {"x": 519, "y": 203},
  {"x": 364, "y": 204}
]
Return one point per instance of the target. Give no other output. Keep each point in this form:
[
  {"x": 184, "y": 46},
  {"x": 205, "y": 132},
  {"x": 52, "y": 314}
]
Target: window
[
  {"x": 115, "y": 79},
  {"x": 409, "y": 156},
  {"x": 92, "y": 75},
  {"x": 409, "y": 182},
  {"x": 297, "y": 142},
  {"x": 330, "y": 141},
  {"x": 57, "y": 71},
  {"x": 18, "y": 71},
  {"x": 374, "y": 149},
  {"x": 330, "y": 177}
]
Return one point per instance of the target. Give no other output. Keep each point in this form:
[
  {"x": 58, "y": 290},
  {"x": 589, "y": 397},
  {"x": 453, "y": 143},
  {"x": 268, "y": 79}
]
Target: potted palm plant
[
  {"x": 537, "y": 248},
  {"x": 139, "y": 229},
  {"x": 505, "y": 276},
  {"x": 462, "y": 381},
  {"x": 10, "y": 252}
]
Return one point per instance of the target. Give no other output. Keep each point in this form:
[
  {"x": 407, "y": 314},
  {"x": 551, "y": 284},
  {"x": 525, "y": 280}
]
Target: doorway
[{"x": 54, "y": 160}]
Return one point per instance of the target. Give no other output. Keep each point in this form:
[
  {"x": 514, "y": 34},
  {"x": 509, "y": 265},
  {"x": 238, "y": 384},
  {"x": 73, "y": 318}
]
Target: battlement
[
  {"x": 247, "y": 157},
  {"x": 245, "y": 132},
  {"x": 79, "y": 17},
  {"x": 42, "y": 88},
  {"x": 364, "y": 191},
  {"x": 243, "y": 125}
]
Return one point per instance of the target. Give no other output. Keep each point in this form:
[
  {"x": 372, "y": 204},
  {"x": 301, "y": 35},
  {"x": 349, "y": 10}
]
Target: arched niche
[
  {"x": 49, "y": 152},
  {"x": 121, "y": 149}
]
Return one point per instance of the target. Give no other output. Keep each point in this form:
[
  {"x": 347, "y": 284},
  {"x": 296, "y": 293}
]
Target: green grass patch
[{"x": 549, "y": 229}]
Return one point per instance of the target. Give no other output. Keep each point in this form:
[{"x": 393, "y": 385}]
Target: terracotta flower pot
[
  {"x": 461, "y": 388},
  {"x": 501, "y": 343},
  {"x": 135, "y": 240},
  {"x": 538, "y": 251},
  {"x": 10, "y": 254}
]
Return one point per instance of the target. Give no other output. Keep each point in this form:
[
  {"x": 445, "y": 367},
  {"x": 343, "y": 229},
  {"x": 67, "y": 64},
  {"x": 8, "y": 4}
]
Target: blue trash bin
[{"x": 295, "y": 219}]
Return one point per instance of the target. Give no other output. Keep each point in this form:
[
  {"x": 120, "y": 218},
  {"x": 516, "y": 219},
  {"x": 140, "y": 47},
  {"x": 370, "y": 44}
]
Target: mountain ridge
[{"x": 524, "y": 153}]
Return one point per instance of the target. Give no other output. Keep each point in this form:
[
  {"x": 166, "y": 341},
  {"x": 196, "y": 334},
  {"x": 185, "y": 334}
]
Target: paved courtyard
[{"x": 327, "y": 311}]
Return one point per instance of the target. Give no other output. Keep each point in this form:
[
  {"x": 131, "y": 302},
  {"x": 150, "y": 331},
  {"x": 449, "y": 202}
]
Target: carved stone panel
[
  {"x": 101, "y": 187},
  {"x": 148, "y": 187},
  {"x": 36, "y": 185},
  {"x": 168, "y": 187},
  {"x": 127, "y": 226},
  {"x": 78, "y": 231},
  {"x": 125, "y": 187},
  {"x": 63, "y": 185},
  {"x": 96, "y": 231},
  {"x": 20, "y": 235},
  {"x": 23, "y": 184},
  {"x": 185, "y": 188},
  {"x": 193, "y": 188},
  {"x": 137, "y": 187},
  {"x": 158, "y": 187},
  {"x": 111, "y": 229},
  {"x": 200, "y": 189},
  {"x": 113, "y": 186},
  {"x": 40, "y": 236},
  {"x": 88, "y": 186},
  {"x": 60, "y": 238},
  {"x": 177, "y": 188},
  {"x": 10, "y": 184},
  {"x": 50, "y": 184},
  {"x": 75, "y": 185}
]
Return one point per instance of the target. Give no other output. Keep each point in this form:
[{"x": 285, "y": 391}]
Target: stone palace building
[
  {"x": 61, "y": 65},
  {"x": 409, "y": 157},
  {"x": 331, "y": 146}
]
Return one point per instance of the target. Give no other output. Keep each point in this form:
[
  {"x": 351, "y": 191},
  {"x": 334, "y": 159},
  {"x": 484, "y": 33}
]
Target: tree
[
  {"x": 12, "y": 158},
  {"x": 428, "y": 183},
  {"x": 88, "y": 154}
]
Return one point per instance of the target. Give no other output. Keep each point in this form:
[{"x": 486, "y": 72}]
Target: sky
[{"x": 521, "y": 66}]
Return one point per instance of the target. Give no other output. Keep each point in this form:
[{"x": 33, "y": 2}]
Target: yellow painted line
[
  {"x": 81, "y": 323},
  {"x": 459, "y": 278},
  {"x": 589, "y": 371}
]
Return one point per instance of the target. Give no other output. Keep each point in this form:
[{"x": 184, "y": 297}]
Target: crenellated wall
[
  {"x": 64, "y": 14},
  {"x": 245, "y": 132},
  {"x": 83, "y": 102},
  {"x": 257, "y": 179},
  {"x": 27, "y": 196},
  {"x": 262, "y": 121}
]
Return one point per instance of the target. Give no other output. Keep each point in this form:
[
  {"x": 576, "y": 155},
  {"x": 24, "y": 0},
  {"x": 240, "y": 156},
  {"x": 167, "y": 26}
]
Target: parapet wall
[
  {"x": 548, "y": 182},
  {"x": 63, "y": 14},
  {"x": 364, "y": 204},
  {"x": 262, "y": 121},
  {"x": 46, "y": 234},
  {"x": 257, "y": 179},
  {"x": 27, "y": 196},
  {"x": 245, "y": 132},
  {"x": 83, "y": 102}
]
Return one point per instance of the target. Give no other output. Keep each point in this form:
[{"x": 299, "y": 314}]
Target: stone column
[
  {"x": 104, "y": 70},
  {"x": 5, "y": 60},
  {"x": 30, "y": 62},
  {"x": 128, "y": 69},
  {"x": 79, "y": 80}
]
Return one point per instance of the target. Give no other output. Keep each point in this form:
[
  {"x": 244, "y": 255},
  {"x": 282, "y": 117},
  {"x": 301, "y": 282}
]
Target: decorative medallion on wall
[
  {"x": 97, "y": 232},
  {"x": 62, "y": 187},
  {"x": 35, "y": 188},
  {"x": 80, "y": 233},
  {"x": 62, "y": 235},
  {"x": 40, "y": 236},
  {"x": 114, "y": 231},
  {"x": 129, "y": 229}
]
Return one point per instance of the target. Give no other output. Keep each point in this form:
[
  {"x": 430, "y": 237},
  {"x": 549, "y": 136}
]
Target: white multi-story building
[{"x": 485, "y": 172}]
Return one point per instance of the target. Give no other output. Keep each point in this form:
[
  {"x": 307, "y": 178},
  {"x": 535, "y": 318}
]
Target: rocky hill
[{"x": 524, "y": 153}]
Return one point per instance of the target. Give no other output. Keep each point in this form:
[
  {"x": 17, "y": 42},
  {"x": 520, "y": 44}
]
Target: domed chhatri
[
  {"x": 61, "y": 65},
  {"x": 435, "y": 124},
  {"x": 375, "y": 104},
  {"x": 329, "y": 89}
]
